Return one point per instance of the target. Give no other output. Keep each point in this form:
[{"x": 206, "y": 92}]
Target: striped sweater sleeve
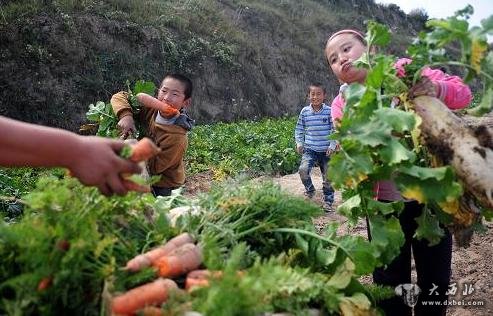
[{"x": 299, "y": 131}]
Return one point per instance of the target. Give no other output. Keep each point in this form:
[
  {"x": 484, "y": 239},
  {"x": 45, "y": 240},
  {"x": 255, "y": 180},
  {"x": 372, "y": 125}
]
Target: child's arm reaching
[
  {"x": 123, "y": 110},
  {"x": 299, "y": 134},
  {"x": 93, "y": 160},
  {"x": 451, "y": 90}
]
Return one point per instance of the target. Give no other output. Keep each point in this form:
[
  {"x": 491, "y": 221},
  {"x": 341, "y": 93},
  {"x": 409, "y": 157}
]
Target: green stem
[
  {"x": 251, "y": 230},
  {"x": 104, "y": 114},
  {"x": 314, "y": 235}
]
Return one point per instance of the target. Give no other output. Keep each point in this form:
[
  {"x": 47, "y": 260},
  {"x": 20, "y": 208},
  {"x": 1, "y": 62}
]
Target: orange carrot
[
  {"x": 165, "y": 109},
  {"x": 153, "y": 293},
  {"x": 143, "y": 150},
  {"x": 176, "y": 242},
  {"x": 138, "y": 263},
  {"x": 199, "y": 278},
  {"x": 182, "y": 260},
  {"x": 44, "y": 283},
  {"x": 144, "y": 260}
]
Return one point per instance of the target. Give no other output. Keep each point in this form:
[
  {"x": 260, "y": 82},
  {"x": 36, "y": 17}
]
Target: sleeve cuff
[
  {"x": 124, "y": 112},
  {"x": 441, "y": 90}
]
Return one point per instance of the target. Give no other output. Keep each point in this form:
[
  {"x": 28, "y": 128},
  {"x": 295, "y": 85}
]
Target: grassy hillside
[{"x": 248, "y": 59}]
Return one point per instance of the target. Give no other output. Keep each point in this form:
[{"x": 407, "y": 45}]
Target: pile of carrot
[
  {"x": 183, "y": 259},
  {"x": 176, "y": 257},
  {"x": 166, "y": 110},
  {"x": 150, "y": 258}
]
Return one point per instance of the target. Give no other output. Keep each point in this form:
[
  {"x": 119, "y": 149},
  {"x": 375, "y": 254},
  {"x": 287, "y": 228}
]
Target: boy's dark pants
[
  {"x": 158, "y": 191},
  {"x": 433, "y": 267},
  {"x": 308, "y": 160}
]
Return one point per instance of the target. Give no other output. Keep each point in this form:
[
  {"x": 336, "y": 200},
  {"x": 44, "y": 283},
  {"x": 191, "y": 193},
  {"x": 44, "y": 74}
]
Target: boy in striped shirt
[{"x": 311, "y": 135}]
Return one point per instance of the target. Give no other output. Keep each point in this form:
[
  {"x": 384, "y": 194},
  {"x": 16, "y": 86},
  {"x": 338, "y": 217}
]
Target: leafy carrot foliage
[{"x": 379, "y": 141}]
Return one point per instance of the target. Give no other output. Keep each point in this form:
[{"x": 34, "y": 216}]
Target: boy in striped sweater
[{"x": 311, "y": 135}]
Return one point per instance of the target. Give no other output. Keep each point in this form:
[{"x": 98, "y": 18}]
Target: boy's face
[
  {"x": 341, "y": 52},
  {"x": 316, "y": 95},
  {"x": 172, "y": 91}
]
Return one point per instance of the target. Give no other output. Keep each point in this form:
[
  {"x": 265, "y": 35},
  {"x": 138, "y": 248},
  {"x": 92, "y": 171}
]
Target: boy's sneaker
[
  {"x": 327, "y": 207},
  {"x": 310, "y": 194}
]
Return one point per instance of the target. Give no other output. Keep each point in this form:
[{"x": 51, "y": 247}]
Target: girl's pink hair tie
[{"x": 346, "y": 31}]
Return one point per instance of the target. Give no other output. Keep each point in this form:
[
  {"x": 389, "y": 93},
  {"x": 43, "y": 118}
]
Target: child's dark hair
[
  {"x": 183, "y": 79},
  {"x": 316, "y": 84}
]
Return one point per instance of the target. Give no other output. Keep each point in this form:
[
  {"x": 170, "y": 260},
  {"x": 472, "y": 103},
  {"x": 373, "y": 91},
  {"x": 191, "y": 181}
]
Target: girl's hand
[{"x": 424, "y": 86}]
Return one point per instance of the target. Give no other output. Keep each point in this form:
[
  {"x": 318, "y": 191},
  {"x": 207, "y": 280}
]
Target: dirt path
[{"x": 472, "y": 268}]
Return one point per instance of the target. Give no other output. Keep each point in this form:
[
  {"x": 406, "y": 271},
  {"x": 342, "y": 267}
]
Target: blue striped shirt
[{"x": 313, "y": 129}]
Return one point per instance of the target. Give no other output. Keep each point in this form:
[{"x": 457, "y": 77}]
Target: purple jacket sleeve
[
  {"x": 450, "y": 89},
  {"x": 336, "y": 108}
]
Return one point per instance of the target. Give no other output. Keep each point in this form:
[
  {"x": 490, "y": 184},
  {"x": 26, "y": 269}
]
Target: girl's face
[{"x": 341, "y": 52}]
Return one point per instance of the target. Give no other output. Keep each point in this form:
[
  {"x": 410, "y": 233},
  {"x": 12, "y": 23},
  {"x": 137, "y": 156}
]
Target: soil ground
[{"x": 472, "y": 268}]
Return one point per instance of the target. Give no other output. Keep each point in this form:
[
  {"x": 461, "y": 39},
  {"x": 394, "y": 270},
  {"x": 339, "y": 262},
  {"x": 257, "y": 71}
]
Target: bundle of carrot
[
  {"x": 140, "y": 151},
  {"x": 176, "y": 257},
  {"x": 183, "y": 259},
  {"x": 166, "y": 110},
  {"x": 151, "y": 257}
]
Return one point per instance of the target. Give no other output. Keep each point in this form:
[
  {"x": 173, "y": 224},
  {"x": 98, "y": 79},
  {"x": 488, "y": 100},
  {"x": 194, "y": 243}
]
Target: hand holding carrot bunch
[{"x": 95, "y": 162}]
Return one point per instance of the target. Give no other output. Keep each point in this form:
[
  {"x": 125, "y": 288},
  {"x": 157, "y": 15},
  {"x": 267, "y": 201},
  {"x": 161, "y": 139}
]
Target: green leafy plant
[
  {"x": 380, "y": 142},
  {"x": 105, "y": 119},
  {"x": 70, "y": 239},
  {"x": 266, "y": 146},
  {"x": 68, "y": 249}
]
